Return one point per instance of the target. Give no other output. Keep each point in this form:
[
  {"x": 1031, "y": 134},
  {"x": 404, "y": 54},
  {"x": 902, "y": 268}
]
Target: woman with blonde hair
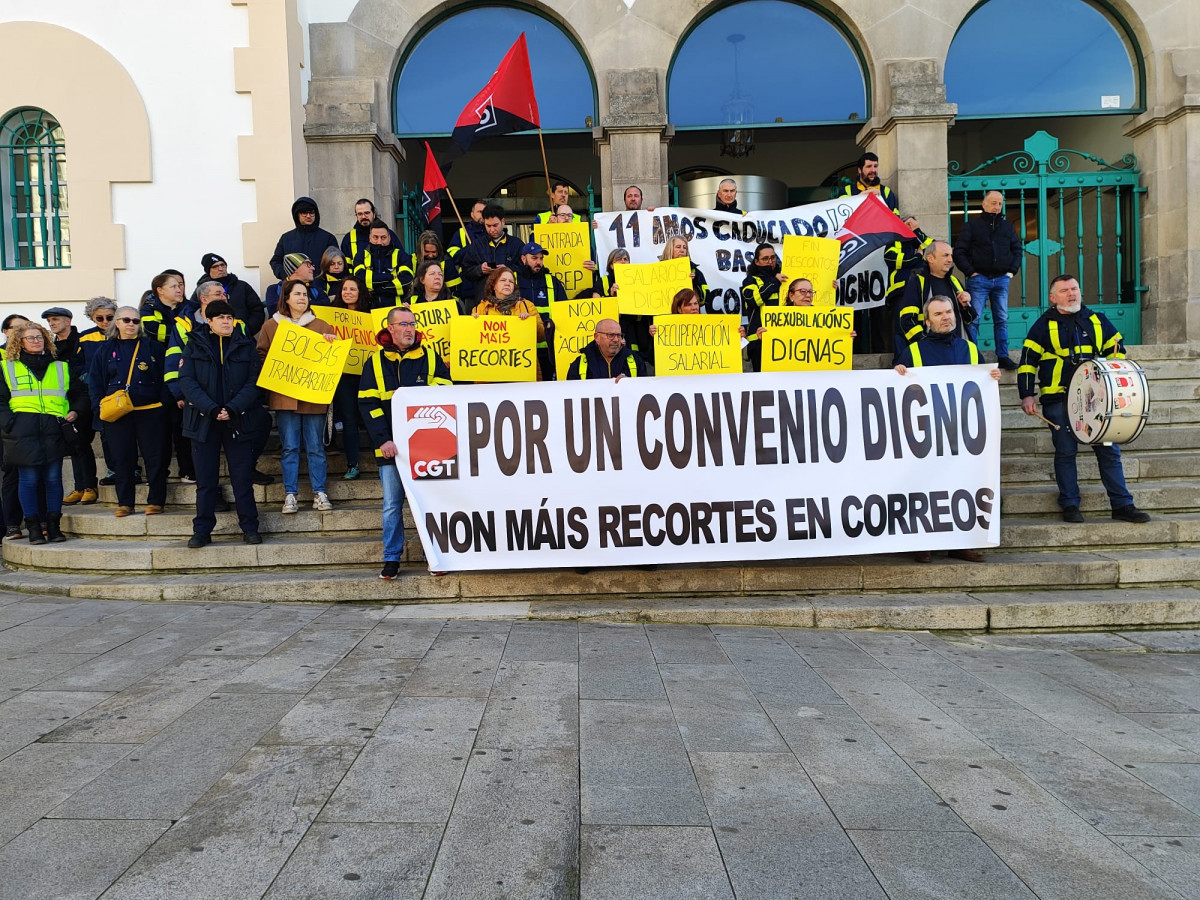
[{"x": 37, "y": 397}]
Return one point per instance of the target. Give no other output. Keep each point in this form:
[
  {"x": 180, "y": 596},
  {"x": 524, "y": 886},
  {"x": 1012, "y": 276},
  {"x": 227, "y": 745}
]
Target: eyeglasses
[
  {"x": 405, "y": 324},
  {"x": 129, "y": 321},
  {"x": 610, "y": 334},
  {"x": 808, "y": 291},
  {"x": 770, "y": 259},
  {"x": 33, "y": 337}
]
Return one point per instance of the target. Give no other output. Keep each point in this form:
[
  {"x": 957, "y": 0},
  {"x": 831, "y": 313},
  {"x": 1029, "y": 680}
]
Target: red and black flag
[
  {"x": 506, "y": 103},
  {"x": 433, "y": 191},
  {"x": 863, "y": 271}
]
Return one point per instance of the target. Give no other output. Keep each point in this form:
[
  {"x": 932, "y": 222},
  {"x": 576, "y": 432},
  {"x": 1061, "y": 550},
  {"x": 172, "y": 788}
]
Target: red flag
[
  {"x": 871, "y": 226},
  {"x": 435, "y": 185},
  {"x": 506, "y": 103}
]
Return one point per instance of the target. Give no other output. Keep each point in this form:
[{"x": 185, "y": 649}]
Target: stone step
[
  {"x": 365, "y": 487},
  {"x": 1153, "y": 496},
  {"x": 1167, "y": 413},
  {"x": 1138, "y": 467},
  {"x": 1170, "y": 437},
  {"x": 717, "y": 586},
  {"x": 156, "y": 545}
]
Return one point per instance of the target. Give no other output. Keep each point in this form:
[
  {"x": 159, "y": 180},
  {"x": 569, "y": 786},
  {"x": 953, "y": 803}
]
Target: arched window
[
  {"x": 34, "y": 232},
  {"x": 764, "y": 62},
  {"x": 448, "y": 64},
  {"x": 1042, "y": 57}
]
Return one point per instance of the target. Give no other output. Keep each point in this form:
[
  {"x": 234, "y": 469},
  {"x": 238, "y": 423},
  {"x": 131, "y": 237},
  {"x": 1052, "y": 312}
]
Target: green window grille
[{"x": 34, "y": 228}]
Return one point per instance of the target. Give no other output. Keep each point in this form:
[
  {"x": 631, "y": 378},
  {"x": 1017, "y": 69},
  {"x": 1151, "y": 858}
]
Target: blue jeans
[
  {"x": 1065, "y": 448},
  {"x": 393, "y": 506},
  {"x": 293, "y": 426},
  {"x": 29, "y": 478},
  {"x": 994, "y": 291}
]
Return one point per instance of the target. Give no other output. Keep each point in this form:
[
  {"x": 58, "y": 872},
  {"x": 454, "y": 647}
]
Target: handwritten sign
[
  {"x": 303, "y": 365},
  {"x": 697, "y": 345},
  {"x": 433, "y": 323},
  {"x": 807, "y": 338},
  {"x": 356, "y": 327},
  {"x": 493, "y": 348},
  {"x": 647, "y": 289},
  {"x": 380, "y": 315},
  {"x": 575, "y": 326},
  {"x": 567, "y": 245},
  {"x": 813, "y": 258}
]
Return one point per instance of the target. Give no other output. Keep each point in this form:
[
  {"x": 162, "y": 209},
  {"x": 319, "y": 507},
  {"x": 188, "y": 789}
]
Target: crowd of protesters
[{"x": 176, "y": 377}]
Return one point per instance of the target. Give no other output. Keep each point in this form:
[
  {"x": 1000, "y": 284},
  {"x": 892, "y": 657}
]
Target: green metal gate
[{"x": 1085, "y": 222}]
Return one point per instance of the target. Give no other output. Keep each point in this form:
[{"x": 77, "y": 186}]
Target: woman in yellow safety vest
[{"x": 37, "y": 398}]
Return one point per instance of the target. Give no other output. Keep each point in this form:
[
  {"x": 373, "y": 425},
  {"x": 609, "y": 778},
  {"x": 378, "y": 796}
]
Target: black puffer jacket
[
  {"x": 988, "y": 245},
  {"x": 220, "y": 372},
  {"x": 311, "y": 240},
  {"x": 35, "y": 439},
  {"x": 247, "y": 306}
]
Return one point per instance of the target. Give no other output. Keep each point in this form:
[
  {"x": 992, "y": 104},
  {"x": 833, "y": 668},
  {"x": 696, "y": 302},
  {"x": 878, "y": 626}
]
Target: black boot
[
  {"x": 34, "y": 527},
  {"x": 54, "y": 528}
]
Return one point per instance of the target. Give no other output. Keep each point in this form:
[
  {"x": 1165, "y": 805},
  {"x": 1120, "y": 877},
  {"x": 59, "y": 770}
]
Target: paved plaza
[{"x": 183, "y": 750}]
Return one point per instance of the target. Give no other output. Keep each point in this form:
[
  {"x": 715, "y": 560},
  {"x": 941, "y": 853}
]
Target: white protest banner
[
  {"x": 701, "y": 468},
  {"x": 722, "y": 245},
  {"x": 567, "y": 246}
]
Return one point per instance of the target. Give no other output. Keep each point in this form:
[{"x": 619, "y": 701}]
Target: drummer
[{"x": 1067, "y": 334}]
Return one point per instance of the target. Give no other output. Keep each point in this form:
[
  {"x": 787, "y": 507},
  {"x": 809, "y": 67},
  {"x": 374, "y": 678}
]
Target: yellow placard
[
  {"x": 433, "y": 323},
  {"x": 697, "y": 345},
  {"x": 567, "y": 245},
  {"x": 813, "y": 258},
  {"x": 493, "y": 348},
  {"x": 575, "y": 326},
  {"x": 647, "y": 289},
  {"x": 356, "y": 327},
  {"x": 381, "y": 313},
  {"x": 806, "y": 339},
  {"x": 303, "y": 365}
]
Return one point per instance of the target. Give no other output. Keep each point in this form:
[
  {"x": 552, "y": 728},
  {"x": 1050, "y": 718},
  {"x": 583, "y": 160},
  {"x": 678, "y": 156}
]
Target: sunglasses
[
  {"x": 129, "y": 321},
  {"x": 99, "y": 318}
]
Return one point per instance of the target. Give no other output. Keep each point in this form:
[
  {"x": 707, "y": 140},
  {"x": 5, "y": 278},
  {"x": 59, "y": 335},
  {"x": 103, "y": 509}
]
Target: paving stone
[
  {"x": 462, "y": 661},
  {"x": 72, "y": 860},
  {"x": 795, "y": 862},
  {"x": 616, "y": 663},
  {"x": 633, "y": 766},
  {"x": 299, "y": 662},
  {"x": 821, "y": 649},
  {"x": 32, "y": 714},
  {"x": 861, "y": 778},
  {"x": 759, "y": 790},
  {"x": 1170, "y": 641},
  {"x": 262, "y": 632},
  {"x": 38, "y": 778},
  {"x": 21, "y": 671},
  {"x": 505, "y": 861},
  {"x": 914, "y": 865},
  {"x": 1179, "y": 782},
  {"x": 173, "y": 769},
  {"x": 519, "y": 787},
  {"x": 533, "y": 705},
  {"x": 1053, "y": 851},
  {"x": 137, "y": 713},
  {"x": 667, "y": 863},
  {"x": 715, "y": 710},
  {"x": 543, "y": 641},
  {"x": 239, "y": 835},
  {"x": 325, "y": 720},
  {"x": 1181, "y": 728},
  {"x": 357, "y": 675},
  {"x": 685, "y": 645},
  {"x": 352, "y": 860},
  {"x": 1176, "y": 860},
  {"x": 411, "y": 769},
  {"x": 399, "y": 639},
  {"x": 774, "y": 671},
  {"x": 512, "y": 609}
]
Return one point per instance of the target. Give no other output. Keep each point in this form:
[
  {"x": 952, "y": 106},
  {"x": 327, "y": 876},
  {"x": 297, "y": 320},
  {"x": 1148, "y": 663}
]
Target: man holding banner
[
  {"x": 942, "y": 346},
  {"x": 403, "y": 362},
  {"x": 606, "y": 356}
]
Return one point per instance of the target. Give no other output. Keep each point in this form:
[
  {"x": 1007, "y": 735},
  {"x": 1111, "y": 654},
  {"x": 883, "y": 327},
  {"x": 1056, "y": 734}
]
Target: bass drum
[{"x": 1108, "y": 401}]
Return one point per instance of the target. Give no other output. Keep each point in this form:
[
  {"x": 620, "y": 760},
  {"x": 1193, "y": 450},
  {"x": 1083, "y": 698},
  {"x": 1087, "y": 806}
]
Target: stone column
[
  {"x": 910, "y": 140},
  {"x": 632, "y": 139},
  {"x": 1166, "y": 141}
]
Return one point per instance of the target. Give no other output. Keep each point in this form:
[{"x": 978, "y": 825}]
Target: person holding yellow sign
[
  {"x": 500, "y": 298},
  {"x": 430, "y": 286},
  {"x": 350, "y": 293},
  {"x": 606, "y": 356},
  {"x": 297, "y": 418}
]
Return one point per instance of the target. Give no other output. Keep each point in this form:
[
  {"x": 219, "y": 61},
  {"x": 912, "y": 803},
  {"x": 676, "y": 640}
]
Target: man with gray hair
[{"x": 727, "y": 197}]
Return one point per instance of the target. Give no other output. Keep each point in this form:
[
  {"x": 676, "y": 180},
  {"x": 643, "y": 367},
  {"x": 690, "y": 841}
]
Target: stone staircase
[{"x": 334, "y": 556}]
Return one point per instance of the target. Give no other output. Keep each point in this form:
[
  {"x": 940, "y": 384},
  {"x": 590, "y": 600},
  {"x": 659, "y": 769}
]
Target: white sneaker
[
  {"x": 321, "y": 502},
  {"x": 290, "y": 505}
]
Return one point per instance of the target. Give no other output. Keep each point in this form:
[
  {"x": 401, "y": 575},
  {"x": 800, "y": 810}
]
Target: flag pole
[
  {"x": 457, "y": 214},
  {"x": 545, "y": 167}
]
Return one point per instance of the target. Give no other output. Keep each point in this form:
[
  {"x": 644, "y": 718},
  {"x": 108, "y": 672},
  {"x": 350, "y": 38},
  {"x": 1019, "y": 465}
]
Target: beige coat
[{"x": 281, "y": 401}]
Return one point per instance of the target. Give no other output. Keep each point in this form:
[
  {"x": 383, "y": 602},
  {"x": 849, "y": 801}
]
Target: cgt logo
[{"x": 433, "y": 441}]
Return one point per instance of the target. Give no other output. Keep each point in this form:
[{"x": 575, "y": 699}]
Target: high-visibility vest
[
  {"x": 47, "y": 396},
  {"x": 915, "y": 351},
  {"x": 583, "y": 367}
]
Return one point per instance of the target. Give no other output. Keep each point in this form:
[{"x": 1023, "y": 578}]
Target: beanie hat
[
  {"x": 218, "y": 308},
  {"x": 208, "y": 260},
  {"x": 293, "y": 261}
]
